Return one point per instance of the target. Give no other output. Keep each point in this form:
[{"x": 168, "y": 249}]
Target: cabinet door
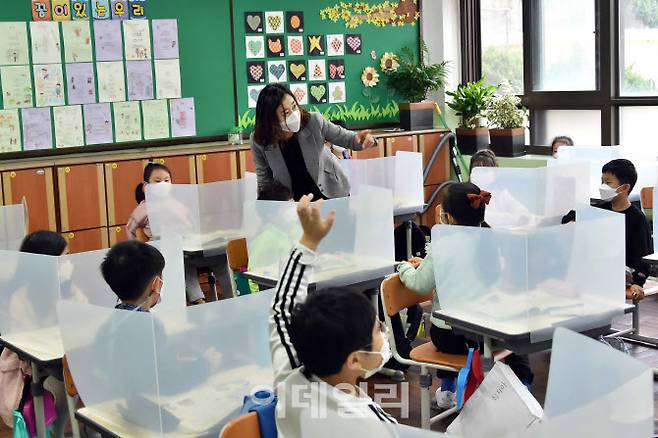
[
  {"x": 117, "y": 234},
  {"x": 36, "y": 186},
  {"x": 218, "y": 166},
  {"x": 183, "y": 168},
  {"x": 121, "y": 178},
  {"x": 429, "y": 218},
  {"x": 407, "y": 143},
  {"x": 87, "y": 240},
  {"x": 82, "y": 202},
  {"x": 441, "y": 168},
  {"x": 246, "y": 163},
  {"x": 376, "y": 152}
]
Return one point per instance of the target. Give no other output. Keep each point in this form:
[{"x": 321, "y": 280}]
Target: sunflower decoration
[
  {"x": 389, "y": 63},
  {"x": 370, "y": 77}
]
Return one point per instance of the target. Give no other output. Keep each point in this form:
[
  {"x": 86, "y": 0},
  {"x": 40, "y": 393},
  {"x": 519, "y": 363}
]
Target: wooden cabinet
[
  {"x": 87, "y": 240},
  {"x": 246, "y": 163},
  {"x": 429, "y": 218},
  {"x": 183, "y": 168},
  {"x": 82, "y": 202},
  {"x": 36, "y": 186},
  {"x": 376, "y": 152},
  {"x": 407, "y": 143},
  {"x": 117, "y": 234},
  {"x": 121, "y": 179},
  {"x": 441, "y": 168},
  {"x": 219, "y": 166}
]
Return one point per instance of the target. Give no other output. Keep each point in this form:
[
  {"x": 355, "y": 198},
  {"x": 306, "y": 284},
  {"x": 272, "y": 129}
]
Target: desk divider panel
[{"x": 13, "y": 226}]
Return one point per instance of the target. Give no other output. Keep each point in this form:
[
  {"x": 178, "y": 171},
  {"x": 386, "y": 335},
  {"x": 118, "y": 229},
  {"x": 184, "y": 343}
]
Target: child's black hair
[
  {"x": 483, "y": 158},
  {"x": 328, "y": 327},
  {"x": 130, "y": 266},
  {"x": 562, "y": 139},
  {"x": 44, "y": 242},
  {"x": 275, "y": 192},
  {"x": 623, "y": 170},
  {"x": 456, "y": 202},
  {"x": 148, "y": 170}
]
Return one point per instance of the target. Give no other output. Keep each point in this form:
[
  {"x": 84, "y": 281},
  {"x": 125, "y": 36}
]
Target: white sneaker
[{"x": 445, "y": 399}]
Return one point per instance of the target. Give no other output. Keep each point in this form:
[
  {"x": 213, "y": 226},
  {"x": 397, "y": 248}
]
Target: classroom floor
[{"x": 539, "y": 363}]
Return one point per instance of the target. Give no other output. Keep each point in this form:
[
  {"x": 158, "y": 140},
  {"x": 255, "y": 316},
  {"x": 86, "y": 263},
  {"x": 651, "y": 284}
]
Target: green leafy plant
[
  {"x": 505, "y": 110},
  {"x": 505, "y": 63},
  {"x": 646, "y": 11},
  {"x": 634, "y": 82},
  {"x": 470, "y": 101},
  {"x": 414, "y": 79}
]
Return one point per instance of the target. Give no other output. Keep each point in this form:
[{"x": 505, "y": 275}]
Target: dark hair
[
  {"x": 340, "y": 123},
  {"x": 623, "y": 170},
  {"x": 129, "y": 266},
  {"x": 483, "y": 158},
  {"x": 148, "y": 170},
  {"x": 328, "y": 327},
  {"x": 268, "y": 130},
  {"x": 44, "y": 242},
  {"x": 562, "y": 139},
  {"x": 457, "y": 204},
  {"x": 275, "y": 192}
]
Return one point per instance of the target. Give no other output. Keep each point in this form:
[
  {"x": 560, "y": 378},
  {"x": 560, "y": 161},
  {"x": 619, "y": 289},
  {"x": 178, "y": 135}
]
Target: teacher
[{"x": 288, "y": 147}]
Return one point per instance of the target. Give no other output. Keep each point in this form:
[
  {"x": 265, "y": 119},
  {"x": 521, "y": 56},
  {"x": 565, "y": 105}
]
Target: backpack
[{"x": 418, "y": 241}]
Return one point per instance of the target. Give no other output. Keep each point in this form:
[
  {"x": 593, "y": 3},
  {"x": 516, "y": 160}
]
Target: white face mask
[
  {"x": 162, "y": 188},
  {"x": 384, "y": 352},
  {"x": 293, "y": 122},
  {"x": 607, "y": 193}
]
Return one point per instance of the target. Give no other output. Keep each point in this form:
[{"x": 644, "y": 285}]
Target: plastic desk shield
[
  {"x": 335, "y": 426},
  {"x": 13, "y": 226},
  {"x": 359, "y": 243},
  {"x": 176, "y": 373},
  {"x": 594, "y": 156},
  {"x": 519, "y": 282},
  {"x": 523, "y": 198},
  {"x": 402, "y": 174}
]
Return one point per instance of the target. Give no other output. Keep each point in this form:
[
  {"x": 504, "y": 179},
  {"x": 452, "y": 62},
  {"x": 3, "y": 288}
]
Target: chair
[
  {"x": 646, "y": 201},
  {"x": 395, "y": 297},
  {"x": 245, "y": 426},
  {"x": 71, "y": 394},
  {"x": 238, "y": 258}
]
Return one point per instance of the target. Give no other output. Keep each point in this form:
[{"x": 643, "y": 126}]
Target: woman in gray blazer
[{"x": 288, "y": 147}]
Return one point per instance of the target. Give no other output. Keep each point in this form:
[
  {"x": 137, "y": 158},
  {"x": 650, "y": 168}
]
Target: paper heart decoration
[
  {"x": 318, "y": 91},
  {"x": 277, "y": 70},
  {"x": 297, "y": 70},
  {"x": 256, "y": 71},
  {"x": 337, "y": 94},
  {"x": 332, "y": 71},
  {"x": 274, "y": 45},
  {"x": 295, "y": 46},
  {"x": 253, "y": 21},
  {"x": 300, "y": 94},
  {"x": 255, "y": 47},
  {"x": 354, "y": 43},
  {"x": 336, "y": 44},
  {"x": 341, "y": 70},
  {"x": 254, "y": 95},
  {"x": 274, "y": 21}
]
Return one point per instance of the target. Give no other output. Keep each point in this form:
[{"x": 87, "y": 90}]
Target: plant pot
[
  {"x": 417, "y": 116},
  {"x": 508, "y": 142},
  {"x": 470, "y": 141}
]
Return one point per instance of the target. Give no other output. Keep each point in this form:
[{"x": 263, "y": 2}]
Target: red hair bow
[{"x": 477, "y": 200}]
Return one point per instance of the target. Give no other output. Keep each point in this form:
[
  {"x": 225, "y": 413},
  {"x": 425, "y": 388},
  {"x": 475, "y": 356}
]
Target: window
[
  {"x": 583, "y": 126},
  {"x": 502, "y": 42},
  {"x": 634, "y": 123},
  {"x": 638, "y": 45},
  {"x": 566, "y": 45}
]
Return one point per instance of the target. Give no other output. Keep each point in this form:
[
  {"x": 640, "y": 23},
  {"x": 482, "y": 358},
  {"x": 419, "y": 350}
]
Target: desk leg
[
  {"x": 487, "y": 357},
  {"x": 37, "y": 394},
  {"x": 224, "y": 277},
  {"x": 410, "y": 251},
  {"x": 636, "y": 317}
]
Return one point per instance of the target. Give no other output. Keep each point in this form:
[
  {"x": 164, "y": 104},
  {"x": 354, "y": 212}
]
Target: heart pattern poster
[
  {"x": 256, "y": 72},
  {"x": 274, "y": 22},
  {"x": 318, "y": 93},
  {"x": 252, "y": 94},
  {"x": 277, "y": 71},
  {"x": 253, "y": 22},
  {"x": 275, "y": 47},
  {"x": 295, "y": 45},
  {"x": 353, "y": 44},
  {"x": 255, "y": 47},
  {"x": 336, "y": 69},
  {"x": 297, "y": 71},
  {"x": 335, "y": 45},
  {"x": 317, "y": 70},
  {"x": 300, "y": 91}
]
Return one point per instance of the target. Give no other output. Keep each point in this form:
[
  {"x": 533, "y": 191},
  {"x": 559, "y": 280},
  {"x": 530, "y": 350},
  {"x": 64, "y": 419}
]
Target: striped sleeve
[{"x": 291, "y": 289}]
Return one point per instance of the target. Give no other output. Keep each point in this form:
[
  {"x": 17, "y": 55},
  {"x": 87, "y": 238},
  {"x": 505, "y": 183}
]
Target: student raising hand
[{"x": 314, "y": 226}]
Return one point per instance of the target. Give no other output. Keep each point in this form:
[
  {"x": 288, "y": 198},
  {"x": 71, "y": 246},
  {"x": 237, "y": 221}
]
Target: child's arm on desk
[
  {"x": 419, "y": 277},
  {"x": 293, "y": 286}
]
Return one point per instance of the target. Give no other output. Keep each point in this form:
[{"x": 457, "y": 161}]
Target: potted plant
[
  {"x": 469, "y": 102},
  {"x": 507, "y": 117},
  {"x": 413, "y": 78}
]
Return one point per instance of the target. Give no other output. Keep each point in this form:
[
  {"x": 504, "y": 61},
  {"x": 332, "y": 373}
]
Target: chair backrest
[
  {"x": 245, "y": 426},
  {"x": 141, "y": 235},
  {"x": 71, "y": 390},
  {"x": 236, "y": 251},
  {"x": 646, "y": 197},
  {"x": 396, "y": 296}
]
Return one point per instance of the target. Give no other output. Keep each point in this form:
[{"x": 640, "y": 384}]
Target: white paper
[
  {"x": 127, "y": 122},
  {"x": 68, "y": 126},
  {"x": 49, "y": 85},
  {"x": 77, "y": 41},
  {"x": 16, "y": 86},
  {"x": 111, "y": 82},
  {"x": 45, "y": 42},
  {"x": 137, "y": 39},
  {"x": 167, "y": 78},
  {"x": 10, "y": 131},
  {"x": 13, "y": 44},
  {"x": 156, "y": 119}
]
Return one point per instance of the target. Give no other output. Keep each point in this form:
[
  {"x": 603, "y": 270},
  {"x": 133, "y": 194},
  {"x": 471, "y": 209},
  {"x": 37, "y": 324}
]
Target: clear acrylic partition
[
  {"x": 529, "y": 282},
  {"x": 524, "y": 198},
  {"x": 594, "y": 156},
  {"x": 13, "y": 226},
  {"x": 177, "y": 373},
  {"x": 173, "y": 210},
  {"x": 344, "y": 426},
  {"x": 112, "y": 358},
  {"x": 359, "y": 245},
  {"x": 403, "y": 174}
]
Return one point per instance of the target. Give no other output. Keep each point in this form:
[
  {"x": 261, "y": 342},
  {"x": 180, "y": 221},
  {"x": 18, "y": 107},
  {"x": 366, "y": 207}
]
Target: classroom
[{"x": 257, "y": 219}]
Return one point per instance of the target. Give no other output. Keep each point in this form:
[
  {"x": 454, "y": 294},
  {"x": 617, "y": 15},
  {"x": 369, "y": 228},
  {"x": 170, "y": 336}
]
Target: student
[
  {"x": 275, "y": 191},
  {"x": 482, "y": 158},
  {"x": 561, "y": 140},
  {"x": 340, "y": 152},
  {"x": 618, "y": 179},
  {"x": 461, "y": 204},
  {"x": 155, "y": 173},
  {"x": 321, "y": 345}
]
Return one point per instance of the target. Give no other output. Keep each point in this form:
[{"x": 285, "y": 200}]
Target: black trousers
[{"x": 446, "y": 341}]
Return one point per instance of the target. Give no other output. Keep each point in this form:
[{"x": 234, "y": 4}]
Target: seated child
[
  {"x": 559, "y": 141},
  {"x": 482, "y": 158},
  {"x": 275, "y": 192},
  {"x": 618, "y": 180},
  {"x": 461, "y": 204},
  {"x": 321, "y": 344},
  {"x": 155, "y": 173}
]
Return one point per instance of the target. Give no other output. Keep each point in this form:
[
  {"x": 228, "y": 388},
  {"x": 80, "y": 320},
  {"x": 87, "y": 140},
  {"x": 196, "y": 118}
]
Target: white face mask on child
[
  {"x": 384, "y": 352},
  {"x": 607, "y": 193},
  {"x": 293, "y": 122}
]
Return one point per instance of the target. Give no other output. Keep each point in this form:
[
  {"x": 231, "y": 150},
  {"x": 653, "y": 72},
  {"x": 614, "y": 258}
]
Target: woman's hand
[{"x": 366, "y": 139}]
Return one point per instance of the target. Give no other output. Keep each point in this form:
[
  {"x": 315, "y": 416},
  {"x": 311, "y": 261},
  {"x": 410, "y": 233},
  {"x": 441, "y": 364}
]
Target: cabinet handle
[
  {"x": 67, "y": 170},
  {"x": 71, "y": 235},
  {"x": 12, "y": 174},
  {"x": 162, "y": 161},
  {"x": 117, "y": 229},
  {"x": 203, "y": 158},
  {"x": 115, "y": 165}
]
